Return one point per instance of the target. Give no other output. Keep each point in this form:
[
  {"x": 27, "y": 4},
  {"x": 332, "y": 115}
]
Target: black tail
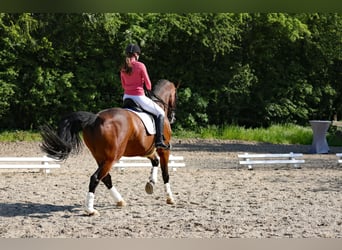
[{"x": 59, "y": 144}]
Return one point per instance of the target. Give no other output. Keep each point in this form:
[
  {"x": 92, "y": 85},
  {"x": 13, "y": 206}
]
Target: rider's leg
[
  {"x": 150, "y": 106},
  {"x": 159, "y": 143}
]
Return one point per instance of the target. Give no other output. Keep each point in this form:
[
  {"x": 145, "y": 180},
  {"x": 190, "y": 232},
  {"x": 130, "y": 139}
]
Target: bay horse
[{"x": 111, "y": 134}]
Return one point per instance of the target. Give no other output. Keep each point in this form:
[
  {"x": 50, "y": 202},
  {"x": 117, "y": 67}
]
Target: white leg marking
[
  {"x": 168, "y": 190},
  {"x": 115, "y": 194},
  {"x": 89, "y": 205},
  {"x": 154, "y": 175}
]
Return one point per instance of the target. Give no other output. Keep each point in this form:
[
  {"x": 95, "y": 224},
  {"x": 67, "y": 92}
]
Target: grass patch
[
  {"x": 276, "y": 134},
  {"x": 20, "y": 135}
]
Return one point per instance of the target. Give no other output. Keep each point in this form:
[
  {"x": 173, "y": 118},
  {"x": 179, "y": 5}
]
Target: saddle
[
  {"x": 131, "y": 104},
  {"x": 146, "y": 117}
]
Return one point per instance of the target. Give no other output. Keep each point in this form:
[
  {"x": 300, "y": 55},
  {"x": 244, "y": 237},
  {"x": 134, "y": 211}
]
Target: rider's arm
[{"x": 145, "y": 77}]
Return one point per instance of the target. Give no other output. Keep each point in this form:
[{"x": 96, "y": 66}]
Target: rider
[{"x": 133, "y": 78}]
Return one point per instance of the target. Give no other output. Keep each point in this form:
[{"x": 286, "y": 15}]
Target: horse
[{"x": 111, "y": 134}]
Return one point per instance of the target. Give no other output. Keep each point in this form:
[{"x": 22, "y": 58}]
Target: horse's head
[{"x": 166, "y": 94}]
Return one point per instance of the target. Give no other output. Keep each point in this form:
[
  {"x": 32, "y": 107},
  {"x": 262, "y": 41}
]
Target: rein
[
  {"x": 156, "y": 98},
  {"x": 171, "y": 111}
]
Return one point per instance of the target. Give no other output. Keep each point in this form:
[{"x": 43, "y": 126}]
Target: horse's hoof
[
  {"x": 121, "y": 203},
  {"x": 170, "y": 201},
  {"x": 92, "y": 213},
  {"x": 149, "y": 188}
]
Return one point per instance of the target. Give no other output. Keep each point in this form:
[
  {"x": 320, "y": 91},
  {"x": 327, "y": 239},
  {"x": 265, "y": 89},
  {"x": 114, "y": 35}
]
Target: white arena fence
[
  {"x": 263, "y": 159},
  {"x": 339, "y": 156},
  {"x": 43, "y": 163},
  {"x": 137, "y": 161}
]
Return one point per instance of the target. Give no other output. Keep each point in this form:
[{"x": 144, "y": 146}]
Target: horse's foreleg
[
  {"x": 165, "y": 173},
  {"x": 169, "y": 196},
  {"x": 107, "y": 180},
  {"x": 153, "y": 175},
  {"x": 153, "y": 179}
]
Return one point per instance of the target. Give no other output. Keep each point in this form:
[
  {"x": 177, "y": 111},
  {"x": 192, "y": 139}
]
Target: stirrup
[{"x": 162, "y": 145}]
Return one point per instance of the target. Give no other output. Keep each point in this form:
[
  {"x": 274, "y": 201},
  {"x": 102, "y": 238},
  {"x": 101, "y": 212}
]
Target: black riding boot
[{"x": 159, "y": 133}]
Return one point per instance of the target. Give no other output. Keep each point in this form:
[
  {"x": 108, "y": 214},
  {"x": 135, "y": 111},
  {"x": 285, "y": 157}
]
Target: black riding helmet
[{"x": 133, "y": 48}]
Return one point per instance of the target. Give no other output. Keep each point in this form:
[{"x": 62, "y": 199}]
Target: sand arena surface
[{"x": 214, "y": 197}]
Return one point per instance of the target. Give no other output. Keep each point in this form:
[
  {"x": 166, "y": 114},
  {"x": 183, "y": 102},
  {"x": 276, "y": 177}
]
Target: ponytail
[{"x": 127, "y": 66}]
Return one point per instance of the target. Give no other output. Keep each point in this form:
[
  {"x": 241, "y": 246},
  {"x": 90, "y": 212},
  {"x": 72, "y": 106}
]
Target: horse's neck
[{"x": 165, "y": 98}]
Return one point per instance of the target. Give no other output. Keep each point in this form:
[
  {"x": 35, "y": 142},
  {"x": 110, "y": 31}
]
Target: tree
[{"x": 247, "y": 69}]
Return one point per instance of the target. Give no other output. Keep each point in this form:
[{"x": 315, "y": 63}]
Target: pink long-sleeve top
[{"x": 133, "y": 84}]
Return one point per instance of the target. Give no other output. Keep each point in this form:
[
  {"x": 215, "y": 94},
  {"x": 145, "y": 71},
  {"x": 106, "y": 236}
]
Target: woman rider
[{"x": 134, "y": 76}]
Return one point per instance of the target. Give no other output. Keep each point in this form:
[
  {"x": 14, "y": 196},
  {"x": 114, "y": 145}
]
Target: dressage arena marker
[
  {"x": 248, "y": 159},
  {"x": 339, "y": 155},
  {"x": 137, "y": 161},
  {"x": 43, "y": 163}
]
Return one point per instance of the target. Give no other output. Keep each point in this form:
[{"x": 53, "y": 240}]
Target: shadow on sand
[{"x": 32, "y": 209}]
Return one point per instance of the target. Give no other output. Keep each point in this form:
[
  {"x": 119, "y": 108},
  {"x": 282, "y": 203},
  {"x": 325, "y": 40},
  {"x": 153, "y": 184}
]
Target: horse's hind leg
[
  {"x": 107, "y": 180},
  {"x": 153, "y": 176},
  {"x": 89, "y": 204},
  {"x": 101, "y": 174}
]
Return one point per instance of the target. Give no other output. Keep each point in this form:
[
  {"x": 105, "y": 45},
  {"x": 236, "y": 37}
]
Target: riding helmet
[{"x": 133, "y": 48}]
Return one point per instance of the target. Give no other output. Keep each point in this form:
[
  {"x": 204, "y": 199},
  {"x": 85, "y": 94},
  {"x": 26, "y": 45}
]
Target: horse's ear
[{"x": 178, "y": 84}]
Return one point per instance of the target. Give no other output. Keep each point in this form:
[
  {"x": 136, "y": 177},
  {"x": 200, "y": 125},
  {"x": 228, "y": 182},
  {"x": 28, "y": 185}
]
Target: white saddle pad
[{"x": 147, "y": 120}]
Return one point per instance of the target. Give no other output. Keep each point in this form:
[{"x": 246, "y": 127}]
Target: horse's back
[
  {"x": 118, "y": 118},
  {"x": 112, "y": 113},
  {"x": 124, "y": 129}
]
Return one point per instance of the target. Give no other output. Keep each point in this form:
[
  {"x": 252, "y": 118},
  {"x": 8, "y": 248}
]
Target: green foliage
[
  {"x": 6, "y": 93},
  {"x": 63, "y": 65},
  {"x": 253, "y": 70},
  {"x": 189, "y": 100}
]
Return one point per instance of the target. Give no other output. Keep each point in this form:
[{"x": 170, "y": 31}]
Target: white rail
[
  {"x": 44, "y": 163},
  {"x": 248, "y": 159},
  {"x": 339, "y": 155},
  {"x": 137, "y": 161}
]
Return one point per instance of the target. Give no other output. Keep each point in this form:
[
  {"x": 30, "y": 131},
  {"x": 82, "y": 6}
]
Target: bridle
[{"x": 171, "y": 111}]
